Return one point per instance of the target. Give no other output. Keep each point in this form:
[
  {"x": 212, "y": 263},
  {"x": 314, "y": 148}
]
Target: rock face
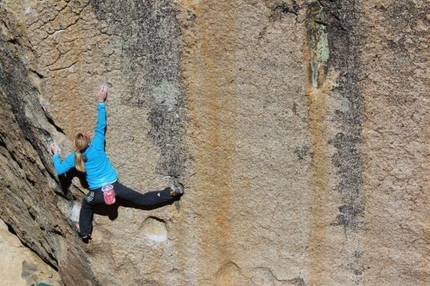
[
  {"x": 297, "y": 127},
  {"x": 19, "y": 265}
]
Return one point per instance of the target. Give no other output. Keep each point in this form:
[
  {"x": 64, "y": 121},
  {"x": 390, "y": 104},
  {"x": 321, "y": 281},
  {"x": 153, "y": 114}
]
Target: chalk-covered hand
[
  {"x": 102, "y": 93},
  {"x": 54, "y": 148}
]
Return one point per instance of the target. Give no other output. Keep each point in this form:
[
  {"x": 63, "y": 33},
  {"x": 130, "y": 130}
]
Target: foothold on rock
[{"x": 155, "y": 230}]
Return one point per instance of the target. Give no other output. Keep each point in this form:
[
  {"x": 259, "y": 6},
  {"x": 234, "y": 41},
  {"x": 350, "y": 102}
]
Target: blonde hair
[{"x": 81, "y": 144}]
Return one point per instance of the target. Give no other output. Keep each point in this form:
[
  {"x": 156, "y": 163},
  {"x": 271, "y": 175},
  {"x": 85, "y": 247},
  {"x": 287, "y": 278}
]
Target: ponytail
[
  {"x": 81, "y": 143},
  {"x": 79, "y": 161}
]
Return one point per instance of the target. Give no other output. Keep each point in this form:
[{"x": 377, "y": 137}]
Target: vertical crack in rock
[
  {"x": 151, "y": 61},
  {"x": 333, "y": 45}
]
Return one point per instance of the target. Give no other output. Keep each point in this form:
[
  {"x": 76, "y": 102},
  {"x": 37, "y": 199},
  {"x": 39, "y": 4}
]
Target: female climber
[{"x": 90, "y": 158}]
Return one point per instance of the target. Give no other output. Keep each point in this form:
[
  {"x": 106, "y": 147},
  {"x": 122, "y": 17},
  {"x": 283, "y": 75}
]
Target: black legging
[{"x": 95, "y": 197}]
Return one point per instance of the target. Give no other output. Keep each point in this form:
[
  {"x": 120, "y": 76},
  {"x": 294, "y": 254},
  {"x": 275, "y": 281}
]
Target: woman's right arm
[{"x": 66, "y": 165}]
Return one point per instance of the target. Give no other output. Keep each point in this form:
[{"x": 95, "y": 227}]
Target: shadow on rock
[{"x": 66, "y": 180}]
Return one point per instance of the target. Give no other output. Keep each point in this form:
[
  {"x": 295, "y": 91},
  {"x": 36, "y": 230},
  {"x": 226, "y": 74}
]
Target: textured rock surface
[
  {"x": 298, "y": 127},
  {"x": 19, "y": 265}
]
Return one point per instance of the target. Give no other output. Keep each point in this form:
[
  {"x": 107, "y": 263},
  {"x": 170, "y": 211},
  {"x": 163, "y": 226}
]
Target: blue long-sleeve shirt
[{"x": 99, "y": 170}]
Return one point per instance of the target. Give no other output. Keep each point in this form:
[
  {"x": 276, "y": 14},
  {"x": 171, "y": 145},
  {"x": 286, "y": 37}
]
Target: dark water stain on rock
[
  {"x": 344, "y": 42},
  {"x": 150, "y": 33}
]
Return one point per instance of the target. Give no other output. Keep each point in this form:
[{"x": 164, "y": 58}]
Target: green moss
[
  {"x": 166, "y": 95},
  {"x": 323, "y": 51},
  {"x": 318, "y": 44}
]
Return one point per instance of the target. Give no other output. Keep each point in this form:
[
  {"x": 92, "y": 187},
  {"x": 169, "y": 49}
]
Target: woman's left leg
[
  {"x": 148, "y": 199},
  {"x": 93, "y": 198}
]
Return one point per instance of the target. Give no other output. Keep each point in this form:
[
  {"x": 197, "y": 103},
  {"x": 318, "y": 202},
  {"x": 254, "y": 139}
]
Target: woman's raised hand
[{"x": 102, "y": 93}]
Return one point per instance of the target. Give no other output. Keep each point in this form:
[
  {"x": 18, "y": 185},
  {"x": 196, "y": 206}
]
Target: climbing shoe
[
  {"x": 86, "y": 239},
  {"x": 177, "y": 188}
]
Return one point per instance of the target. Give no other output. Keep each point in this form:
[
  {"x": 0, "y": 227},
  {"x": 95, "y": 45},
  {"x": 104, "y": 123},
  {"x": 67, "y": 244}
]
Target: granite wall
[{"x": 297, "y": 127}]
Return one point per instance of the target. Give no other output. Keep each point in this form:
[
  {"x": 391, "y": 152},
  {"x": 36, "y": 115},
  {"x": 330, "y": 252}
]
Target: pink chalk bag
[{"x": 108, "y": 194}]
